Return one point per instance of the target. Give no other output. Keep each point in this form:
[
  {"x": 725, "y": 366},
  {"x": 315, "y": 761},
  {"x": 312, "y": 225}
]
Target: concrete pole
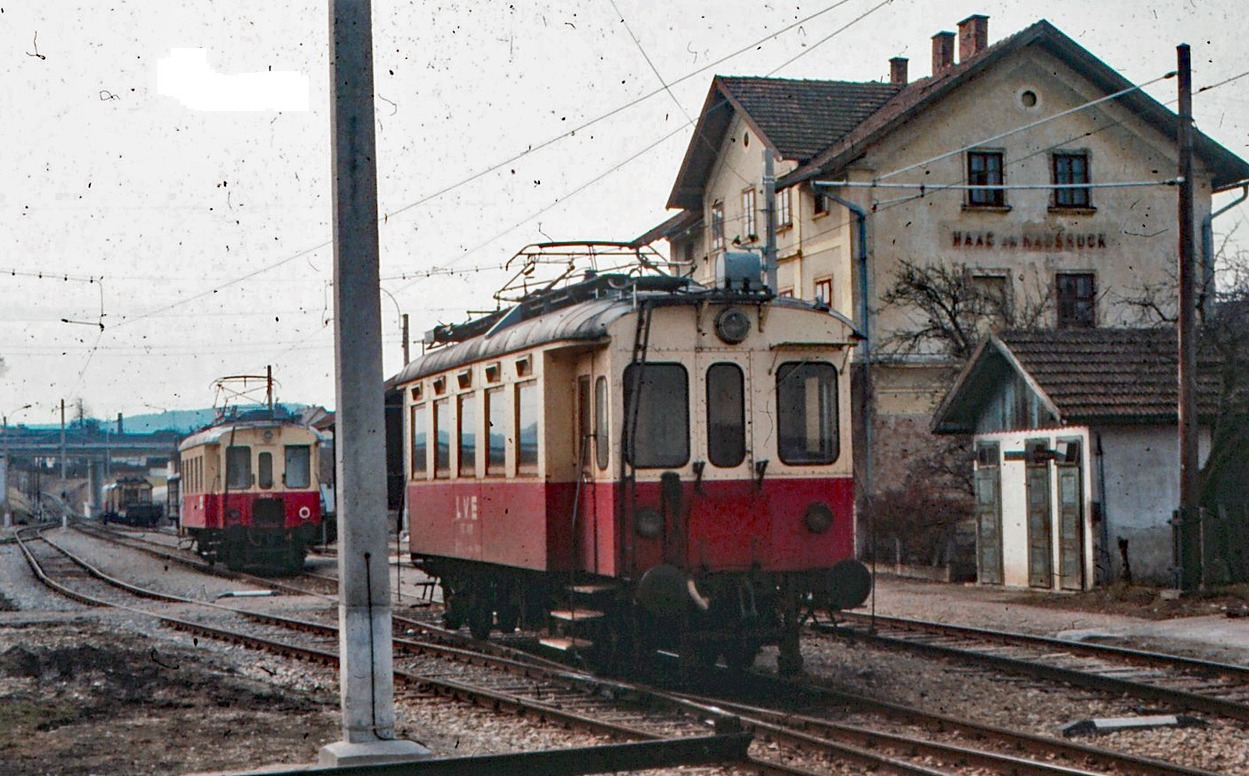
[{"x": 366, "y": 672}]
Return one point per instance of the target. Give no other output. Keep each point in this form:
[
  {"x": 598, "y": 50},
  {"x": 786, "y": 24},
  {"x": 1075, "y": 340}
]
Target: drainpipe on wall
[{"x": 1207, "y": 246}]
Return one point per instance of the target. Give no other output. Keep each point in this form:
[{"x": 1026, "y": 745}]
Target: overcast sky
[{"x": 179, "y": 150}]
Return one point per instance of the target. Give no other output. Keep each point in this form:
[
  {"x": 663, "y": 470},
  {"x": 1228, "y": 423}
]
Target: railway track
[
  {"x": 793, "y": 718},
  {"x": 1182, "y": 683}
]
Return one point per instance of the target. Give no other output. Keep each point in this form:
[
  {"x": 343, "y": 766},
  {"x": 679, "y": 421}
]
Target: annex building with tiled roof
[
  {"x": 1075, "y": 217},
  {"x": 1077, "y": 456}
]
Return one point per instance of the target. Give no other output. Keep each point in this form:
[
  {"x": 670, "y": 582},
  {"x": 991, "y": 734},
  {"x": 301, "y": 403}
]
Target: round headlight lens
[
  {"x": 648, "y": 522},
  {"x": 732, "y": 325},
  {"x": 819, "y": 517}
]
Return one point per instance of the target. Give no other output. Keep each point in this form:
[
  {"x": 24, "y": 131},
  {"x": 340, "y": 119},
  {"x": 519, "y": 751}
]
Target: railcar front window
[
  {"x": 496, "y": 432},
  {"x": 468, "y": 435},
  {"x": 264, "y": 469},
  {"x": 420, "y": 442},
  {"x": 806, "y": 408},
  {"x": 298, "y": 466},
  {"x": 238, "y": 467},
  {"x": 527, "y": 428},
  {"x": 658, "y": 421},
  {"x": 726, "y": 415}
]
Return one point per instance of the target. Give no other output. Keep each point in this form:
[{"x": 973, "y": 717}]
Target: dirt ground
[
  {"x": 1146, "y": 602},
  {"x": 81, "y": 697}
]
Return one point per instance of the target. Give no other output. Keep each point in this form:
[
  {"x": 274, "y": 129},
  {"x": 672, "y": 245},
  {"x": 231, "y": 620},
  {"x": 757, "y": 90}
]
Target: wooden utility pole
[
  {"x": 1190, "y": 497},
  {"x": 365, "y": 652}
]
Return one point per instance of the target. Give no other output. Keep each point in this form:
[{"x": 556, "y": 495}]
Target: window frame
[
  {"x": 670, "y": 415},
  {"x": 261, "y": 481},
  {"x": 737, "y": 454},
  {"x": 784, "y": 211},
  {"x": 1073, "y": 198},
  {"x": 1067, "y": 314},
  {"x": 418, "y": 471},
  {"x": 602, "y": 425},
  {"x": 717, "y": 225},
  {"x": 287, "y": 468},
  {"x": 990, "y": 197},
  {"x": 466, "y": 429},
  {"x": 526, "y": 468},
  {"x": 750, "y": 220},
  {"x": 496, "y": 399},
  {"x": 442, "y": 454},
  {"x": 792, "y": 456},
  {"x": 825, "y": 282},
  {"x": 230, "y": 480}
]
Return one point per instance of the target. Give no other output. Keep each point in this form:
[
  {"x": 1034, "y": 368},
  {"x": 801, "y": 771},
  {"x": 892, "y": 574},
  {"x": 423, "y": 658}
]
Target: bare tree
[{"x": 953, "y": 307}]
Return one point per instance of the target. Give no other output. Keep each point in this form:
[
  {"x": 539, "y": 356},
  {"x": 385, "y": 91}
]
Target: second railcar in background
[
  {"x": 641, "y": 462},
  {"x": 250, "y": 493},
  {"x": 129, "y": 501}
]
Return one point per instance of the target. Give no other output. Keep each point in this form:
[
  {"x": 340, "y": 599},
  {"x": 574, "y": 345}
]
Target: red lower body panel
[
  {"x": 215, "y": 510},
  {"x": 718, "y": 525}
]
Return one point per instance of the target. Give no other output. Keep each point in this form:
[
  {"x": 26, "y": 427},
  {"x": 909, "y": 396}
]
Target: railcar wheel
[{"x": 740, "y": 656}]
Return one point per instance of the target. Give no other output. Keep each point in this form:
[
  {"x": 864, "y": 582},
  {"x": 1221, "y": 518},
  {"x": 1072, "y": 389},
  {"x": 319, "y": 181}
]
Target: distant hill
[{"x": 181, "y": 421}]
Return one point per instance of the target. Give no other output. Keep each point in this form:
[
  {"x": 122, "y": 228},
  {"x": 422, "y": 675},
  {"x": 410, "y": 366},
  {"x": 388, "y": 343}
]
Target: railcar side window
[
  {"x": 806, "y": 408},
  {"x": 264, "y": 470},
  {"x": 238, "y": 467},
  {"x": 468, "y": 435},
  {"x": 420, "y": 442},
  {"x": 496, "y": 433},
  {"x": 298, "y": 466},
  {"x": 657, "y": 424},
  {"x": 726, "y": 415},
  {"x": 442, "y": 439},
  {"x": 601, "y": 441},
  {"x": 527, "y": 428}
]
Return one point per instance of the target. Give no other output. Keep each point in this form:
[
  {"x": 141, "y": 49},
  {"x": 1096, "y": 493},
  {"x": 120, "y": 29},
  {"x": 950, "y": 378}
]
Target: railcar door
[{"x": 726, "y": 525}]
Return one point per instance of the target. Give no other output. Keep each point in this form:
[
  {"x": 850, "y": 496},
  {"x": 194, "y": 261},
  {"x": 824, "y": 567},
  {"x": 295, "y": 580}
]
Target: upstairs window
[
  {"x": 749, "y": 224},
  {"x": 784, "y": 216},
  {"x": 984, "y": 168},
  {"x": 657, "y": 419},
  {"x": 1071, "y": 169},
  {"x": 1077, "y": 300},
  {"x": 824, "y": 291},
  {"x": 717, "y": 226},
  {"x": 820, "y": 203},
  {"x": 806, "y": 409}
]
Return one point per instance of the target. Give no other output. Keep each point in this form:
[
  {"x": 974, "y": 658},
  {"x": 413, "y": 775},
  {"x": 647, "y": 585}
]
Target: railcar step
[
  {"x": 576, "y": 615},
  {"x": 591, "y": 589},
  {"x": 565, "y": 643}
]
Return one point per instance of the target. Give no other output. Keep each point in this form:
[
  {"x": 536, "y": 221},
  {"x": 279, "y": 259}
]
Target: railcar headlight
[
  {"x": 648, "y": 522},
  {"x": 819, "y": 517},
  {"x": 732, "y": 325}
]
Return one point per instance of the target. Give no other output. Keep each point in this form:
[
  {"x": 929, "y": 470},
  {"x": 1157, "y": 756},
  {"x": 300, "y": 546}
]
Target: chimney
[
  {"x": 942, "y": 52},
  {"x": 973, "y": 36},
  {"x": 897, "y": 71},
  {"x": 119, "y": 425}
]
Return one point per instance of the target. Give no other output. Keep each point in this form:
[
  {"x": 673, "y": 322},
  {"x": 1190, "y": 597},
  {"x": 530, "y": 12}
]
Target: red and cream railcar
[
  {"x": 650, "y": 463},
  {"x": 250, "y": 495}
]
